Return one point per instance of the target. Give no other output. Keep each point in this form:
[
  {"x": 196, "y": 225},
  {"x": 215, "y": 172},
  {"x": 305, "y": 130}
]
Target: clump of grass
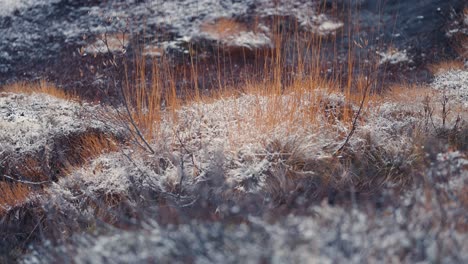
[
  {"x": 90, "y": 145},
  {"x": 17, "y": 220},
  {"x": 13, "y": 195},
  {"x": 446, "y": 66},
  {"x": 272, "y": 140},
  {"x": 24, "y": 209},
  {"x": 145, "y": 97},
  {"x": 41, "y": 87},
  {"x": 223, "y": 28},
  {"x": 67, "y": 152}
]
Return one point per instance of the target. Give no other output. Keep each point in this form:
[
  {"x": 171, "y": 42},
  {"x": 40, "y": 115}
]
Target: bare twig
[
  {"x": 111, "y": 57},
  {"x": 192, "y": 156},
  {"x": 26, "y": 182},
  {"x": 187, "y": 151},
  {"x": 445, "y": 110},
  {"x": 354, "y": 125},
  {"x": 132, "y": 121}
]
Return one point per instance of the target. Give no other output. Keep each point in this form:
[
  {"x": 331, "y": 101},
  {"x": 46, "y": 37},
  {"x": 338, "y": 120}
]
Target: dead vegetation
[
  {"x": 13, "y": 195},
  {"x": 305, "y": 150},
  {"x": 215, "y": 159},
  {"x": 446, "y": 66},
  {"x": 224, "y": 28},
  {"x": 41, "y": 87}
]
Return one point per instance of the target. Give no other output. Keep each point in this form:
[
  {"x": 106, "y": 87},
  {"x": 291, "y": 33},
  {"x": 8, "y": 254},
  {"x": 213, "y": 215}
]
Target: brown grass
[
  {"x": 83, "y": 148},
  {"x": 32, "y": 169},
  {"x": 41, "y": 87},
  {"x": 94, "y": 144},
  {"x": 80, "y": 150},
  {"x": 446, "y": 66},
  {"x": 149, "y": 97},
  {"x": 223, "y": 28},
  {"x": 405, "y": 93},
  {"x": 68, "y": 152},
  {"x": 12, "y": 195}
]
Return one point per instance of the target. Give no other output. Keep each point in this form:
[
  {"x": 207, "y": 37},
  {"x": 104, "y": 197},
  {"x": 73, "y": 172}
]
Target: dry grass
[
  {"x": 223, "y": 28},
  {"x": 78, "y": 150},
  {"x": 305, "y": 103},
  {"x": 67, "y": 153},
  {"x": 81, "y": 149},
  {"x": 33, "y": 169},
  {"x": 41, "y": 87},
  {"x": 150, "y": 97},
  {"x": 446, "y": 66},
  {"x": 94, "y": 144},
  {"x": 153, "y": 92},
  {"x": 12, "y": 195},
  {"x": 75, "y": 150},
  {"x": 146, "y": 99},
  {"x": 405, "y": 93}
]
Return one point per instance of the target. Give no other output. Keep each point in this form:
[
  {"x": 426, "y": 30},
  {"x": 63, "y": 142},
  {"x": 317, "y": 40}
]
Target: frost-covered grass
[
  {"x": 28, "y": 121},
  {"x": 33, "y": 123},
  {"x": 423, "y": 224},
  {"x": 256, "y": 176},
  {"x": 43, "y": 135},
  {"x": 232, "y": 33},
  {"x": 454, "y": 85}
]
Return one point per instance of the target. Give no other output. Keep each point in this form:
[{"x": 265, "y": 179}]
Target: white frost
[
  {"x": 394, "y": 57},
  {"x": 29, "y": 122}
]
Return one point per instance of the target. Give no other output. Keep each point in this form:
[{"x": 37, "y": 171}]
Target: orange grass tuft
[
  {"x": 94, "y": 144},
  {"x": 405, "y": 93},
  {"x": 41, "y": 87},
  {"x": 446, "y": 66},
  {"x": 152, "y": 91},
  {"x": 147, "y": 98},
  {"x": 13, "y": 194},
  {"x": 223, "y": 28},
  {"x": 84, "y": 148},
  {"x": 75, "y": 151},
  {"x": 32, "y": 168}
]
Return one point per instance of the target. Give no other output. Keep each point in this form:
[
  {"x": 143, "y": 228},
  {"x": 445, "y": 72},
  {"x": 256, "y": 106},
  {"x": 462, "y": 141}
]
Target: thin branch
[
  {"x": 25, "y": 182},
  {"x": 354, "y": 126},
  {"x": 182, "y": 176},
  {"x": 111, "y": 56},
  {"x": 187, "y": 151},
  {"x": 132, "y": 121}
]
